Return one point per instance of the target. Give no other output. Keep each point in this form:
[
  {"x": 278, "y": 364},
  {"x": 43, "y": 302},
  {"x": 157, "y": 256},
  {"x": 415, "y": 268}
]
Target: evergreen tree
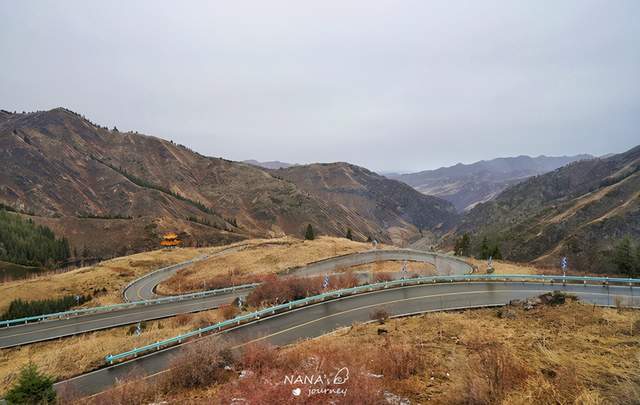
[
  {"x": 349, "y": 234},
  {"x": 623, "y": 257},
  {"x": 309, "y": 234},
  {"x": 462, "y": 245},
  {"x": 496, "y": 253},
  {"x": 32, "y": 387},
  {"x": 371, "y": 240},
  {"x": 485, "y": 251},
  {"x": 24, "y": 242}
]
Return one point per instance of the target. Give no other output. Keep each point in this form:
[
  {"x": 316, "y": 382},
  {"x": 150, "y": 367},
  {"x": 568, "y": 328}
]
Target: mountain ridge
[
  {"x": 80, "y": 177},
  {"x": 466, "y": 185},
  {"x": 579, "y": 210}
]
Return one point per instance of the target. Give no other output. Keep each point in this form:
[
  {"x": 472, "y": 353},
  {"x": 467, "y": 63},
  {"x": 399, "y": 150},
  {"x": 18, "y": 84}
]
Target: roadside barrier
[
  {"x": 253, "y": 316},
  {"x": 107, "y": 308}
]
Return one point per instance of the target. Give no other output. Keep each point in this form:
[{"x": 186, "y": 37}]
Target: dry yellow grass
[
  {"x": 503, "y": 267},
  {"x": 573, "y": 353},
  {"x": 70, "y": 356},
  {"x": 111, "y": 275},
  {"x": 259, "y": 257}
]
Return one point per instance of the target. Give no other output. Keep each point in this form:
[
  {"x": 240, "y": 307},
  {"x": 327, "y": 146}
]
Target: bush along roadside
[{"x": 22, "y": 309}]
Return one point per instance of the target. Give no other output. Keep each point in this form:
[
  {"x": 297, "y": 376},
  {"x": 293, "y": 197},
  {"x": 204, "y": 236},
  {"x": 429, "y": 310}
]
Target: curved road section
[
  {"x": 318, "y": 319},
  {"x": 144, "y": 287},
  {"x": 52, "y": 329}
]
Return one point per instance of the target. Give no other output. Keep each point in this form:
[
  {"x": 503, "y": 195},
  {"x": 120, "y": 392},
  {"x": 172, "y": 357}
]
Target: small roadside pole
[
  {"x": 77, "y": 300},
  {"x": 325, "y": 282},
  {"x": 139, "y": 329},
  {"x": 240, "y": 302},
  {"x": 403, "y": 272},
  {"x": 564, "y": 263}
]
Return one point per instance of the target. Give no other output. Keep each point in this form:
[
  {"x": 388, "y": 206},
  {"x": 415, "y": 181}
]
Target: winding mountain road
[
  {"x": 145, "y": 287},
  {"x": 318, "y": 319}
]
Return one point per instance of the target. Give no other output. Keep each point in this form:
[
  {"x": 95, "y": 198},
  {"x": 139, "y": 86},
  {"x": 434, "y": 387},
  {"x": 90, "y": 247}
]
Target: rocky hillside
[
  {"x": 467, "y": 185},
  {"x": 112, "y": 191},
  {"x": 403, "y": 213},
  {"x": 579, "y": 210}
]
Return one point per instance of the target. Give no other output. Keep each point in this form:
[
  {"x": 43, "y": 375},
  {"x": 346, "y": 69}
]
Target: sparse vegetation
[
  {"x": 147, "y": 184},
  {"x": 380, "y": 315},
  {"x": 275, "y": 291},
  {"x": 229, "y": 311},
  {"x": 255, "y": 260},
  {"x": 349, "y": 235},
  {"x": 552, "y": 354}
]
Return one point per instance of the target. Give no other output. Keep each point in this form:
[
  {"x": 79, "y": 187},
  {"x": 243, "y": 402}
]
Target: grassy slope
[
  {"x": 260, "y": 258},
  {"x": 71, "y": 356},
  {"x": 112, "y": 275},
  {"x": 573, "y": 353}
]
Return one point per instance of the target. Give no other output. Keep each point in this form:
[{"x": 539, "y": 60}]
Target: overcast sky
[{"x": 397, "y": 85}]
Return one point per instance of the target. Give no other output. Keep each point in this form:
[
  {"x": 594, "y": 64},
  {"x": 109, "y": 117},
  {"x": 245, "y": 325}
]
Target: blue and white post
[{"x": 564, "y": 263}]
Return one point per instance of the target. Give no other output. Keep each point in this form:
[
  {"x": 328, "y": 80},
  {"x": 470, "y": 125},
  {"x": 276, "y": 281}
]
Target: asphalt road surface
[
  {"x": 144, "y": 287},
  {"x": 53, "y": 329},
  {"x": 318, "y": 319},
  {"x": 57, "y": 328}
]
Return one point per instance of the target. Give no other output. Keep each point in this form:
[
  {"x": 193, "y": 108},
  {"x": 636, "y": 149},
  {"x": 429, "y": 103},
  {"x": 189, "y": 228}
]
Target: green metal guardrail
[
  {"x": 354, "y": 290},
  {"x": 107, "y": 308}
]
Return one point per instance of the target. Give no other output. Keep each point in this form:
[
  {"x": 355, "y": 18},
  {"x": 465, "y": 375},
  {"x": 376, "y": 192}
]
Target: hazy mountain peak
[{"x": 465, "y": 185}]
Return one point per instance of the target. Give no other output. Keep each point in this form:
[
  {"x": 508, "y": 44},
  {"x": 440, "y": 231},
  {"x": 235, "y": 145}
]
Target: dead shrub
[
  {"x": 133, "y": 390},
  {"x": 382, "y": 277},
  {"x": 181, "y": 320},
  {"x": 490, "y": 375},
  {"x": 198, "y": 365},
  {"x": 229, "y": 311},
  {"x": 379, "y": 314},
  {"x": 258, "y": 357},
  {"x": 398, "y": 361}
]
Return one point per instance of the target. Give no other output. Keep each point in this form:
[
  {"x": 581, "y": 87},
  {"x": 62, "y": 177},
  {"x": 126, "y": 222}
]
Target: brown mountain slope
[
  {"x": 468, "y": 185},
  {"x": 402, "y": 211},
  {"x": 67, "y": 171},
  {"x": 579, "y": 210}
]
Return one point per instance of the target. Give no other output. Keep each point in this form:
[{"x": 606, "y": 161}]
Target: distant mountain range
[
  {"x": 113, "y": 192},
  {"x": 110, "y": 193},
  {"x": 579, "y": 210},
  {"x": 273, "y": 164},
  {"x": 467, "y": 185}
]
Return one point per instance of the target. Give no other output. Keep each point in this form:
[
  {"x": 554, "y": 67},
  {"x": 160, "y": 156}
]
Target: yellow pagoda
[{"x": 170, "y": 240}]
